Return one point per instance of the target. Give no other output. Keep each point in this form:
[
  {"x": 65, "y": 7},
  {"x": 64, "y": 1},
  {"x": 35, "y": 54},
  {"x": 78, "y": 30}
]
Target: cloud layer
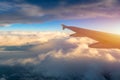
[
  {"x": 54, "y": 55},
  {"x": 34, "y": 11}
]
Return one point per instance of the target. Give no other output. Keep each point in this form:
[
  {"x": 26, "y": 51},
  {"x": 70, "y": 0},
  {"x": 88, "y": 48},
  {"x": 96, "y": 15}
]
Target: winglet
[{"x": 64, "y": 26}]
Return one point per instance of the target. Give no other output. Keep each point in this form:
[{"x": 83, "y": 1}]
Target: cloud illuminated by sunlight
[{"x": 57, "y": 55}]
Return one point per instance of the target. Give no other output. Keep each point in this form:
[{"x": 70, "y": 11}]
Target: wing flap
[
  {"x": 77, "y": 35},
  {"x": 99, "y": 45}
]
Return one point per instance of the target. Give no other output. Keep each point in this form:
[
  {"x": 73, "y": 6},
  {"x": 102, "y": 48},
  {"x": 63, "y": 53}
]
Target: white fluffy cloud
[
  {"x": 5, "y": 25},
  {"x": 55, "y": 54}
]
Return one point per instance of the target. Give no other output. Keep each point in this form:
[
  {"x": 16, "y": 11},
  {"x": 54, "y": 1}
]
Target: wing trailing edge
[{"x": 77, "y": 35}]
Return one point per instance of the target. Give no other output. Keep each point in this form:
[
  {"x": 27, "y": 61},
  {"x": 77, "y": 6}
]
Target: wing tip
[{"x": 63, "y": 26}]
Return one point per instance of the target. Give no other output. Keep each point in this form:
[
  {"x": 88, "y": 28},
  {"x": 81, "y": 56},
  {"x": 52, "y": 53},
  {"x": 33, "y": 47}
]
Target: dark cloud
[
  {"x": 34, "y": 11},
  {"x": 16, "y": 48},
  {"x": 48, "y": 4}
]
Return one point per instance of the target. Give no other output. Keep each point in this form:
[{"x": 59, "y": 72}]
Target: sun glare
[{"x": 113, "y": 27}]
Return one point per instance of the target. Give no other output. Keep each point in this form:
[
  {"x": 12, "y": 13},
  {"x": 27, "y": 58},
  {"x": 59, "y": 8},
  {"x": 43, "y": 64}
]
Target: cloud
[
  {"x": 2, "y": 79},
  {"x": 55, "y": 55},
  {"x": 5, "y": 25},
  {"x": 35, "y": 12}
]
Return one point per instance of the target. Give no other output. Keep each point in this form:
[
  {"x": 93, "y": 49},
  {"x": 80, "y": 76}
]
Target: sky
[
  {"x": 48, "y": 15},
  {"x": 33, "y": 45}
]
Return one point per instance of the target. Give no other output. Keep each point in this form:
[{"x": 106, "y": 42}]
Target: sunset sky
[
  {"x": 33, "y": 45},
  {"x": 48, "y": 15}
]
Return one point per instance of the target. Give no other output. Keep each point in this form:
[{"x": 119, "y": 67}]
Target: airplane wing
[{"x": 105, "y": 40}]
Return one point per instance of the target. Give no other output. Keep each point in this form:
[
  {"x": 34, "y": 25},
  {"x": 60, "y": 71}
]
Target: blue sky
[
  {"x": 52, "y": 25},
  {"x": 100, "y": 25}
]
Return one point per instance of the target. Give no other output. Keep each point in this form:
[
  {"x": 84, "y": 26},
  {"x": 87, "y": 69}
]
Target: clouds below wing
[{"x": 63, "y": 57}]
